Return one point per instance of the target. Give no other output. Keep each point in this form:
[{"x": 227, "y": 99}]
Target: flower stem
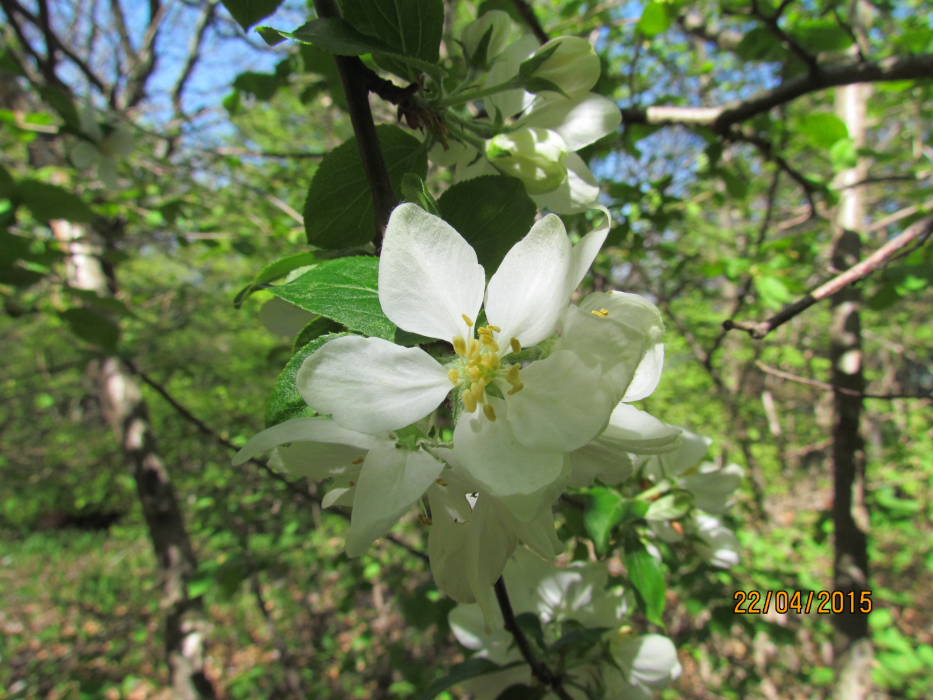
[
  {"x": 478, "y": 93},
  {"x": 539, "y": 669}
]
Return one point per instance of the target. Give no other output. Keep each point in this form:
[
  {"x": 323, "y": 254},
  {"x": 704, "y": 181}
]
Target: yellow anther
[
  {"x": 467, "y": 320},
  {"x": 489, "y": 411},
  {"x": 516, "y": 346},
  {"x": 479, "y": 392},
  {"x": 493, "y": 328},
  {"x": 474, "y": 372},
  {"x": 474, "y": 348},
  {"x": 454, "y": 376},
  {"x": 600, "y": 313},
  {"x": 516, "y": 387},
  {"x": 460, "y": 346},
  {"x": 490, "y": 361},
  {"x": 512, "y": 376},
  {"x": 469, "y": 400}
]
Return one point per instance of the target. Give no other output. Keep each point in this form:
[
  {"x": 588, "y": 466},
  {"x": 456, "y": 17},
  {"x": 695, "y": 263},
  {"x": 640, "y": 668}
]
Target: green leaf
[
  {"x": 7, "y": 185},
  {"x": 336, "y": 36},
  {"x": 471, "y": 668},
  {"x": 285, "y": 402},
  {"x": 760, "y": 44},
  {"x": 408, "y": 27},
  {"x": 844, "y": 154},
  {"x": 822, "y": 35},
  {"x": 248, "y": 12},
  {"x": 536, "y": 85},
  {"x": 492, "y": 213},
  {"x": 605, "y": 510},
  {"x": 339, "y": 209},
  {"x": 773, "y": 291},
  {"x": 655, "y": 19},
  {"x": 644, "y": 572},
  {"x": 316, "y": 327},
  {"x": 48, "y": 202},
  {"x": 274, "y": 271},
  {"x": 344, "y": 290},
  {"x": 670, "y": 506},
  {"x": 261, "y": 85},
  {"x": 92, "y": 327},
  {"x": 414, "y": 190},
  {"x": 823, "y": 129}
]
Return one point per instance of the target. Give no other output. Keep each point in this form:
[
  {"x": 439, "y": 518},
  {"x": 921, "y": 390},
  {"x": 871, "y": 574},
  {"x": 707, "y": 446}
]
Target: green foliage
[
  {"x": 249, "y": 12},
  {"x": 344, "y": 290},
  {"x": 339, "y": 209},
  {"x": 646, "y": 575},
  {"x": 91, "y": 326},
  {"x": 491, "y": 212},
  {"x": 285, "y": 402},
  {"x": 464, "y": 671},
  {"x": 47, "y": 202},
  {"x": 607, "y": 510}
]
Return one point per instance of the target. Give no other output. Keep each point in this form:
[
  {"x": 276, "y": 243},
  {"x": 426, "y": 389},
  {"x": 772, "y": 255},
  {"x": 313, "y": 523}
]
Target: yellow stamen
[
  {"x": 474, "y": 372},
  {"x": 474, "y": 348},
  {"x": 489, "y": 411},
  {"x": 460, "y": 346},
  {"x": 469, "y": 401},
  {"x": 493, "y": 328},
  {"x": 454, "y": 376},
  {"x": 600, "y": 313},
  {"x": 479, "y": 392},
  {"x": 490, "y": 361},
  {"x": 516, "y": 387},
  {"x": 516, "y": 346},
  {"x": 467, "y": 320}
]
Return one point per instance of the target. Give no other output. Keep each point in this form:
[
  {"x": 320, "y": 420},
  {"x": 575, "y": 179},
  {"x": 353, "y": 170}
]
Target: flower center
[{"x": 479, "y": 367}]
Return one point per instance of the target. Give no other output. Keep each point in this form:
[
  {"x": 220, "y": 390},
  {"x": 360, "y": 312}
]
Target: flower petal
[
  {"x": 319, "y": 460},
  {"x": 521, "y": 477},
  {"x": 584, "y": 252},
  {"x": 631, "y": 430},
  {"x": 580, "y": 122},
  {"x": 390, "y": 482},
  {"x": 428, "y": 275},
  {"x": 576, "y": 194},
  {"x": 370, "y": 384},
  {"x": 563, "y": 405},
  {"x": 528, "y": 292},
  {"x": 322, "y": 430},
  {"x": 689, "y": 452},
  {"x": 647, "y": 374}
]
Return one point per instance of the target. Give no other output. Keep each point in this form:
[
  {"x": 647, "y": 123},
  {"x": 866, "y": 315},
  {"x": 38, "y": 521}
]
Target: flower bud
[
  {"x": 534, "y": 156},
  {"x": 500, "y": 27},
  {"x": 567, "y": 61}
]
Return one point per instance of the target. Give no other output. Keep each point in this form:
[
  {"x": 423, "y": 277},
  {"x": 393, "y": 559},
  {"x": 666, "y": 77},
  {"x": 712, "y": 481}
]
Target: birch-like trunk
[
  {"x": 852, "y": 646},
  {"x": 127, "y": 414}
]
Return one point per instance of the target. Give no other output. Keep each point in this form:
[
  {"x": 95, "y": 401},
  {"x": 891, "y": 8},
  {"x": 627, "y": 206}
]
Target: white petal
[
  {"x": 304, "y": 430},
  {"x": 370, "y": 384},
  {"x": 584, "y": 253},
  {"x": 576, "y": 194},
  {"x": 712, "y": 488},
  {"x": 650, "y": 661},
  {"x": 390, "y": 482},
  {"x": 647, "y": 374},
  {"x": 319, "y": 460},
  {"x": 598, "y": 460},
  {"x": 428, "y": 275},
  {"x": 528, "y": 292},
  {"x": 689, "y": 452},
  {"x": 563, "y": 405},
  {"x": 505, "y": 67},
  {"x": 579, "y": 121},
  {"x": 721, "y": 544},
  {"x": 520, "y": 476},
  {"x": 631, "y": 430}
]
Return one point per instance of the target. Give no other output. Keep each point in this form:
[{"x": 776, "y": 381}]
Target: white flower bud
[{"x": 535, "y": 156}]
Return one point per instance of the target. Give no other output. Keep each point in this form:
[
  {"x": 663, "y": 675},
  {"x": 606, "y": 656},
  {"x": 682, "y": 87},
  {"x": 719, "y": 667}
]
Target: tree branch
[
  {"x": 525, "y": 9},
  {"x": 919, "y": 232},
  {"x": 538, "y": 669},
  {"x": 361, "y": 117},
  {"x": 826, "y": 386},
  {"x": 194, "y": 55},
  {"x": 913, "y": 67}
]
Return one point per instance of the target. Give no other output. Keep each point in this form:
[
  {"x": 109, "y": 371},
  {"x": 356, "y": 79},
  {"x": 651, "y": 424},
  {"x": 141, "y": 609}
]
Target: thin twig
[
  {"x": 919, "y": 232},
  {"x": 826, "y": 386},
  {"x": 539, "y": 669},
  {"x": 525, "y": 9}
]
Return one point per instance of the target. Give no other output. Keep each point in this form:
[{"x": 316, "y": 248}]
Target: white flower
[
  {"x": 578, "y": 592},
  {"x": 384, "y": 479},
  {"x": 519, "y": 421}
]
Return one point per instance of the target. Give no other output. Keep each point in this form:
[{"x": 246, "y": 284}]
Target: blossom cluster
[
  {"x": 539, "y": 110},
  {"x": 534, "y": 390}
]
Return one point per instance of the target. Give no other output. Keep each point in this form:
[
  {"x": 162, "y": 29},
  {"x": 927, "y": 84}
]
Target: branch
[
  {"x": 826, "y": 386},
  {"x": 525, "y": 9},
  {"x": 914, "y": 67},
  {"x": 194, "y": 55},
  {"x": 919, "y": 232},
  {"x": 694, "y": 23},
  {"x": 538, "y": 669},
  {"x": 361, "y": 117}
]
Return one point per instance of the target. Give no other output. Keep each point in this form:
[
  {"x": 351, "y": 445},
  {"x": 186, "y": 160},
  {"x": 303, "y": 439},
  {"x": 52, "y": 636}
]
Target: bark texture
[
  {"x": 852, "y": 642},
  {"x": 126, "y": 411}
]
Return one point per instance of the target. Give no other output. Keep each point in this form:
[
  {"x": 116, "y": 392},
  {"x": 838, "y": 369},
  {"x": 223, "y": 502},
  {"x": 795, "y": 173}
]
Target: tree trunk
[
  {"x": 127, "y": 414},
  {"x": 852, "y": 647}
]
